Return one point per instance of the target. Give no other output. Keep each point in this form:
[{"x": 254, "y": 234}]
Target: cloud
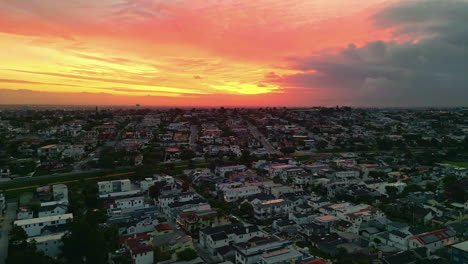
[
  {"x": 197, "y": 77},
  {"x": 428, "y": 69}
]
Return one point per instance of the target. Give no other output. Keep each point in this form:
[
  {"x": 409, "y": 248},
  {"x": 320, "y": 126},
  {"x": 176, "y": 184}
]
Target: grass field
[
  {"x": 14, "y": 188},
  {"x": 457, "y": 163}
]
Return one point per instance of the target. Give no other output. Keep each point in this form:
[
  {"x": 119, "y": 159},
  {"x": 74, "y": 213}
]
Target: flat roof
[
  {"x": 462, "y": 246},
  {"x": 43, "y": 219},
  {"x": 40, "y": 239}
]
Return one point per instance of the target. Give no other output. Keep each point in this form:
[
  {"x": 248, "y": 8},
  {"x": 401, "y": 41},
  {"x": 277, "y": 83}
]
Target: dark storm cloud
[{"x": 432, "y": 69}]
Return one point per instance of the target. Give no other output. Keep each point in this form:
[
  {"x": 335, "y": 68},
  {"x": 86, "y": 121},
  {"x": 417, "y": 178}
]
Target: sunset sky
[{"x": 234, "y": 53}]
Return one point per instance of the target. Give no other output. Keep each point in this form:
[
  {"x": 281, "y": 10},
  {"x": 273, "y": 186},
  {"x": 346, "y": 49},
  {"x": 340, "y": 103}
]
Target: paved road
[
  {"x": 266, "y": 144},
  {"x": 5, "y": 226},
  {"x": 193, "y": 137}
]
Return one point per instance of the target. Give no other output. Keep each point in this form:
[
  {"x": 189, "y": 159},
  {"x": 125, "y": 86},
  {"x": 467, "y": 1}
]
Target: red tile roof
[{"x": 162, "y": 227}]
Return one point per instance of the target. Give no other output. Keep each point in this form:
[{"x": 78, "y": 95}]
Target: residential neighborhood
[{"x": 234, "y": 185}]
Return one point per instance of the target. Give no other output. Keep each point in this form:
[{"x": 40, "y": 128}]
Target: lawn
[
  {"x": 12, "y": 192},
  {"x": 457, "y": 163}
]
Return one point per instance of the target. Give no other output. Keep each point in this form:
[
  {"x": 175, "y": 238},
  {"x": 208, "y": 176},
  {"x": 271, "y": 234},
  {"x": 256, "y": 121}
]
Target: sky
[{"x": 234, "y": 52}]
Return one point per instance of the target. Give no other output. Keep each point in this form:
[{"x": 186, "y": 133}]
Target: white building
[
  {"x": 234, "y": 194},
  {"x": 114, "y": 186},
  {"x": 433, "y": 240},
  {"x": 213, "y": 238},
  {"x": 140, "y": 251},
  {"x": 33, "y": 227},
  {"x": 51, "y": 210},
  {"x": 60, "y": 192},
  {"x": 236, "y": 168},
  {"x": 125, "y": 205},
  {"x": 51, "y": 245},
  {"x": 273, "y": 208}
]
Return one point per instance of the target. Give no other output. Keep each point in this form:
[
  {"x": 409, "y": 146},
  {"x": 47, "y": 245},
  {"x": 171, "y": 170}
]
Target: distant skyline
[{"x": 197, "y": 53}]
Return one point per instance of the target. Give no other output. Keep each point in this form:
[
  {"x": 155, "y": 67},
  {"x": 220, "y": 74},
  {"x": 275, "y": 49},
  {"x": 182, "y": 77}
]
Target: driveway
[{"x": 5, "y": 225}]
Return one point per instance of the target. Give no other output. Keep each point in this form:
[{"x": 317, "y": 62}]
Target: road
[
  {"x": 193, "y": 137},
  {"x": 6, "y": 224},
  {"x": 266, "y": 144}
]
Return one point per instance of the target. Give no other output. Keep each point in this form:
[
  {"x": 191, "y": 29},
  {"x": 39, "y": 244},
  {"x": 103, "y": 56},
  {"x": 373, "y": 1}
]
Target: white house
[
  {"x": 33, "y": 227},
  {"x": 60, "y": 192},
  {"x": 125, "y": 205},
  {"x": 213, "y": 238},
  {"x": 51, "y": 210},
  {"x": 234, "y": 194},
  {"x": 273, "y": 208},
  {"x": 50, "y": 245},
  {"x": 141, "y": 251},
  {"x": 433, "y": 240},
  {"x": 235, "y": 168},
  {"x": 114, "y": 186}
]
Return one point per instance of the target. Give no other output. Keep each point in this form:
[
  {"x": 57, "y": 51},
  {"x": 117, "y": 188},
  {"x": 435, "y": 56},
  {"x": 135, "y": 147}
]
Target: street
[
  {"x": 266, "y": 144},
  {"x": 5, "y": 225},
  {"x": 193, "y": 137}
]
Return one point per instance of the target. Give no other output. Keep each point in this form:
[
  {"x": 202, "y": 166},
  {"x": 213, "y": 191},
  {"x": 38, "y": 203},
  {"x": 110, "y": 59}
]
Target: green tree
[
  {"x": 89, "y": 239},
  {"x": 391, "y": 190},
  {"x": 186, "y": 255},
  {"x": 187, "y": 154},
  {"x": 246, "y": 209}
]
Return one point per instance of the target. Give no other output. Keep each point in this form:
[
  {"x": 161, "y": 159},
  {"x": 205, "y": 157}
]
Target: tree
[
  {"x": 186, "y": 254},
  {"x": 160, "y": 254},
  {"x": 246, "y": 209},
  {"x": 185, "y": 186},
  {"x": 22, "y": 252},
  {"x": 391, "y": 190},
  {"x": 187, "y": 154},
  {"x": 90, "y": 239}
]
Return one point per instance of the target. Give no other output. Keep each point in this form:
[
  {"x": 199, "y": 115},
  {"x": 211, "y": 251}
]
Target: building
[
  {"x": 433, "y": 240},
  {"x": 459, "y": 253},
  {"x": 267, "y": 250},
  {"x": 214, "y": 238},
  {"x": 224, "y": 169},
  {"x": 34, "y": 226},
  {"x": 49, "y": 151},
  {"x": 114, "y": 186},
  {"x": 141, "y": 251},
  {"x": 50, "y": 210},
  {"x": 120, "y": 206},
  {"x": 51, "y": 245},
  {"x": 60, "y": 192},
  {"x": 234, "y": 194},
  {"x": 273, "y": 208}
]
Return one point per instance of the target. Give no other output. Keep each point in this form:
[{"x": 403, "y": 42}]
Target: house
[
  {"x": 50, "y": 244},
  {"x": 49, "y": 151},
  {"x": 134, "y": 225},
  {"x": 433, "y": 240},
  {"x": 459, "y": 253},
  {"x": 75, "y": 152},
  {"x": 201, "y": 218},
  {"x": 234, "y": 194},
  {"x": 60, "y": 193},
  {"x": 57, "y": 209},
  {"x": 125, "y": 205},
  {"x": 141, "y": 251},
  {"x": 33, "y": 227},
  {"x": 214, "y": 238},
  {"x": 268, "y": 250},
  {"x": 114, "y": 186},
  {"x": 224, "y": 169},
  {"x": 5, "y": 173},
  {"x": 272, "y": 208},
  {"x": 24, "y": 212}
]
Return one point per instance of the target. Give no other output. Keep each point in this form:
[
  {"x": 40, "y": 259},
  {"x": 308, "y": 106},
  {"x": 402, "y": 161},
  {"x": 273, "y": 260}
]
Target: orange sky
[{"x": 172, "y": 52}]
